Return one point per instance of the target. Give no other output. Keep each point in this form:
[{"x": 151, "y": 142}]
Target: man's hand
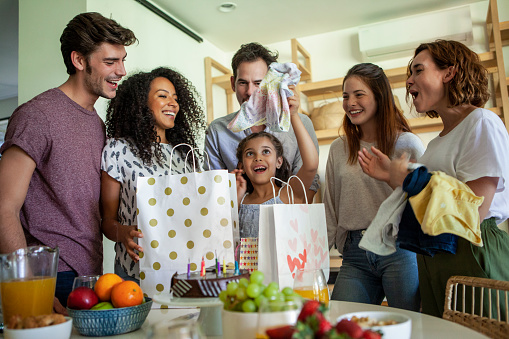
[{"x": 58, "y": 307}]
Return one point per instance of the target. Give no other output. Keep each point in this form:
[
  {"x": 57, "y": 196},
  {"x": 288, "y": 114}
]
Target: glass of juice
[
  {"x": 311, "y": 284},
  {"x": 27, "y": 281}
]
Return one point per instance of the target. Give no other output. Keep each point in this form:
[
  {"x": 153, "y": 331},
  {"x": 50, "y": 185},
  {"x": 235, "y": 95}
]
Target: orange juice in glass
[
  {"x": 27, "y": 281},
  {"x": 311, "y": 284},
  {"x": 309, "y": 293}
]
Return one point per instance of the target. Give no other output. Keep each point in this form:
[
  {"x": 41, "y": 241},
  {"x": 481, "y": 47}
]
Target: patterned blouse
[{"x": 122, "y": 165}]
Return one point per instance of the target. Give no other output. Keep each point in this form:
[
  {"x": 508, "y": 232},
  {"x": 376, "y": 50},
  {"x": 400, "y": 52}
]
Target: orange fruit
[
  {"x": 127, "y": 293},
  {"x": 104, "y": 285}
]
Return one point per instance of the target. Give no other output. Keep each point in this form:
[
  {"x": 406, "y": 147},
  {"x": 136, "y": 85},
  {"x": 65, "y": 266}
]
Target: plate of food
[{"x": 390, "y": 324}]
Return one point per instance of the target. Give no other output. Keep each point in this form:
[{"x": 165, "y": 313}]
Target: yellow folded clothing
[{"x": 447, "y": 205}]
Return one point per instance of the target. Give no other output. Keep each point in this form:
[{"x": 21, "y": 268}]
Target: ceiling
[
  {"x": 269, "y": 21},
  {"x": 264, "y": 21}
]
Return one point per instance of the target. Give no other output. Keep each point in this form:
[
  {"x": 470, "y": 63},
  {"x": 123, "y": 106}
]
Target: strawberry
[
  {"x": 324, "y": 326},
  {"x": 349, "y": 327},
  {"x": 368, "y": 334},
  {"x": 310, "y": 307},
  {"x": 283, "y": 332}
]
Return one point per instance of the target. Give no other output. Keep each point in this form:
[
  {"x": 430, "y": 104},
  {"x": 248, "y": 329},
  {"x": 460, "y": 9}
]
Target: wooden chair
[{"x": 491, "y": 293}]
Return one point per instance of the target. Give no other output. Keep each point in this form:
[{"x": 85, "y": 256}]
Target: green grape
[
  {"x": 287, "y": 291},
  {"x": 231, "y": 289},
  {"x": 241, "y": 293},
  {"x": 280, "y": 297},
  {"x": 260, "y": 299},
  {"x": 257, "y": 277},
  {"x": 249, "y": 306},
  {"x": 253, "y": 290},
  {"x": 243, "y": 282},
  {"x": 274, "y": 285},
  {"x": 222, "y": 296},
  {"x": 294, "y": 297},
  {"x": 270, "y": 292}
]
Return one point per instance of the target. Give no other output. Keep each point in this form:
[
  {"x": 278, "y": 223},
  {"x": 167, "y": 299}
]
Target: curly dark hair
[
  {"x": 470, "y": 83},
  {"x": 129, "y": 117},
  {"x": 251, "y": 52},
  {"x": 390, "y": 120},
  {"x": 283, "y": 173},
  {"x": 86, "y": 31}
]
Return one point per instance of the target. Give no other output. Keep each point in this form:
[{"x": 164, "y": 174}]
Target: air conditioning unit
[{"x": 398, "y": 38}]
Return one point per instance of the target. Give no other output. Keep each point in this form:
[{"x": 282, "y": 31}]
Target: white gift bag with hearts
[{"x": 292, "y": 236}]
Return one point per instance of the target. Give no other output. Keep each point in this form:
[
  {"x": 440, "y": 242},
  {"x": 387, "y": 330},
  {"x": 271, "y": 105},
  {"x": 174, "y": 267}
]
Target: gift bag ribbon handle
[
  {"x": 287, "y": 183},
  {"x": 191, "y": 150}
]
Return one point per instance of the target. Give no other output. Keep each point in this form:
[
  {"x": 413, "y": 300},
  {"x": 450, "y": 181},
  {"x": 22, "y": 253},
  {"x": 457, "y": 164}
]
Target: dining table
[{"x": 423, "y": 326}]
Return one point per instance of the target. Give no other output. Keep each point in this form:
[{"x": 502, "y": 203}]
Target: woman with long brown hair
[{"x": 352, "y": 198}]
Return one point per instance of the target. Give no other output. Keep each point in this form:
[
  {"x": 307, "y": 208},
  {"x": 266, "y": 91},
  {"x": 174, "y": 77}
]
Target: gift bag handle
[
  {"x": 191, "y": 150},
  {"x": 204, "y": 153},
  {"x": 287, "y": 183}
]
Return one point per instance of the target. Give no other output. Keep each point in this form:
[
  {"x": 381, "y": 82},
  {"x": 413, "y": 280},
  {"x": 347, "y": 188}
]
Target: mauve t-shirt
[{"x": 62, "y": 203}]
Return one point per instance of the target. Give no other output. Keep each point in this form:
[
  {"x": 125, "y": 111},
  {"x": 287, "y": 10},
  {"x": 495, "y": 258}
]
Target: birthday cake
[{"x": 207, "y": 286}]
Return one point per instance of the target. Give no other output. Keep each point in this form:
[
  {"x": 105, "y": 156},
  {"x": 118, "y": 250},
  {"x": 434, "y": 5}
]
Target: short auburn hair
[{"x": 470, "y": 83}]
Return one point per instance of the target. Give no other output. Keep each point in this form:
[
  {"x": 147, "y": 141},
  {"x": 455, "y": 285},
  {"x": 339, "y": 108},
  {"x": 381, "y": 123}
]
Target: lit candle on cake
[{"x": 202, "y": 272}]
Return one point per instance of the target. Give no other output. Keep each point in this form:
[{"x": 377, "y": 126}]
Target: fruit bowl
[
  {"x": 112, "y": 321},
  {"x": 59, "y": 331},
  {"x": 401, "y": 330}
]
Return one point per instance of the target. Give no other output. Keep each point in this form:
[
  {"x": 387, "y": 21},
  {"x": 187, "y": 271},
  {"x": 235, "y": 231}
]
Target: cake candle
[
  {"x": 202, "y": 272},
  {"x": 237, "y": 272},
  {"x": 189, "y": 268},
  {"x": 224, "y": 266},
  {"x": 218, "y": 269}
]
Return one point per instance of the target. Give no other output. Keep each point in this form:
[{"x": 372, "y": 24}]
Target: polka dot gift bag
[{"x": 184, "y": 218}]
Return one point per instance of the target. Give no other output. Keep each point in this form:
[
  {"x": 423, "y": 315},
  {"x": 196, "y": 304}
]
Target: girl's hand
[
  {"x": 128, "y": 233},
  {"x": 241, "y": 184},
  {"x": 294, "y": 101},
  {"x": 375, "y": 165}
]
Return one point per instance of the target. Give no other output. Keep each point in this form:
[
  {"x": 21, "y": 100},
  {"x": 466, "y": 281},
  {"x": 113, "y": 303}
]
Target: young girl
[
  {"x": 352, "y": 198},
  {"x": 261, "y": 157},
  {"x": 150, "y": 114},
  {"x": 448, "y": 81}
]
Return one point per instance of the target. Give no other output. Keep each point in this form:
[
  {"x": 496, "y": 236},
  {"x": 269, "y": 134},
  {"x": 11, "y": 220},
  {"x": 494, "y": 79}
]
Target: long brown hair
[
  {"x": 389, "y": 118},
  {"x": 470, "y": 83}
]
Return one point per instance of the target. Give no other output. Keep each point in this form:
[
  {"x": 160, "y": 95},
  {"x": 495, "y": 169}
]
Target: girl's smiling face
[
  {"x": 359, "y": 101},
  {"x": 260, "y": 160}
]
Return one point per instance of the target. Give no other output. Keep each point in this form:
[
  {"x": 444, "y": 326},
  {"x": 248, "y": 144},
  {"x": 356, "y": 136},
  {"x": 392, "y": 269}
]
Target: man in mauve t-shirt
[{"x": 51, "y": 158}]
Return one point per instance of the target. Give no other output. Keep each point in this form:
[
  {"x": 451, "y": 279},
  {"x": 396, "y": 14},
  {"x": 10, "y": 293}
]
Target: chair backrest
[{"x": 484, "y": 304}]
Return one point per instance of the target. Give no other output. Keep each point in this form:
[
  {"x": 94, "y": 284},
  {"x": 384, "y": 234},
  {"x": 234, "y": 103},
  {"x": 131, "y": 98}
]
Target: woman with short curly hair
[
  {"x": 151, "y": 113},
  {"x": 447, "y": 80}
]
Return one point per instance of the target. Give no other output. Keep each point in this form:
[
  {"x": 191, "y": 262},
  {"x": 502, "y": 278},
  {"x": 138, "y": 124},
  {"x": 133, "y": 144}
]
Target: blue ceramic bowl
[{"x": 115, "y": 321}]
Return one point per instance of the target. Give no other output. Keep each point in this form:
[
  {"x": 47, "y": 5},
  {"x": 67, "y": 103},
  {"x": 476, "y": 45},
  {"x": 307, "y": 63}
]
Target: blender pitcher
[{"x": 27, "y": 281}]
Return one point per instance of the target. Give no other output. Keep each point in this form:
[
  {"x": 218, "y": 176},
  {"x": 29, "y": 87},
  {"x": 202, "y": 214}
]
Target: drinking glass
[
  {"x": 176, "y": 329},
  {"x": 311, "y": 284},
  {"x": 275, "y": 314},
  {"x": 27, "y": 281},
  {"x": 85, "y": 280}
]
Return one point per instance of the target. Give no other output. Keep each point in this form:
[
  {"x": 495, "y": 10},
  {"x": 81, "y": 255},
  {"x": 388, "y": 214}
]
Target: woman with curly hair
[
  {"x": 151, "y": 113},
  {"x": 447, "y": 80}
]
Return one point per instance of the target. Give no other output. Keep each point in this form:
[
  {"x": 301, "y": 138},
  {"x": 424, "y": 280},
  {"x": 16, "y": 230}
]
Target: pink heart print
[
  {"x": 295, "y": 225},
  {"x": 304, "y": 208},
  {"x": 292, "y": 243},
  {"x": 314, "y": 235}
]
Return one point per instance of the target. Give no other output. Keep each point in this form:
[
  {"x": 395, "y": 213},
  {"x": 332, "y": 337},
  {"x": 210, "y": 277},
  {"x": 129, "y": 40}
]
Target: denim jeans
[
  {"x": 367, "y": 278},
  {"x": 64, "y": 286}
]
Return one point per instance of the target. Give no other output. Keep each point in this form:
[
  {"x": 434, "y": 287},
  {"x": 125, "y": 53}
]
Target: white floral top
[{"x": 122, "y": 165}]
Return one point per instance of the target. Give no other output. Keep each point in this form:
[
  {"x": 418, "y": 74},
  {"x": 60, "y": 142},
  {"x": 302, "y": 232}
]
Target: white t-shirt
[
  {"x": 122, "y": 165},
  {"x": 478, "y": 147}
]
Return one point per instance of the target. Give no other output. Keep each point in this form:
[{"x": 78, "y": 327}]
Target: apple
[
  {"x": 82, "y": 298},
  {"x": 103, "y": 305}
]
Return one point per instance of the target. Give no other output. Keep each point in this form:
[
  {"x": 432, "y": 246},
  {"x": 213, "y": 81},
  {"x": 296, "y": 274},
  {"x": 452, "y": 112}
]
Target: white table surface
[{"x": 423, "y": 326}]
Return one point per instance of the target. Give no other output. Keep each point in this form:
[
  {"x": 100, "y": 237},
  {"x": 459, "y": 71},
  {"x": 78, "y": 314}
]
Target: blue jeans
[
  {"x": 64, "y": 286},
  {"x": 367, "y": 278}
]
